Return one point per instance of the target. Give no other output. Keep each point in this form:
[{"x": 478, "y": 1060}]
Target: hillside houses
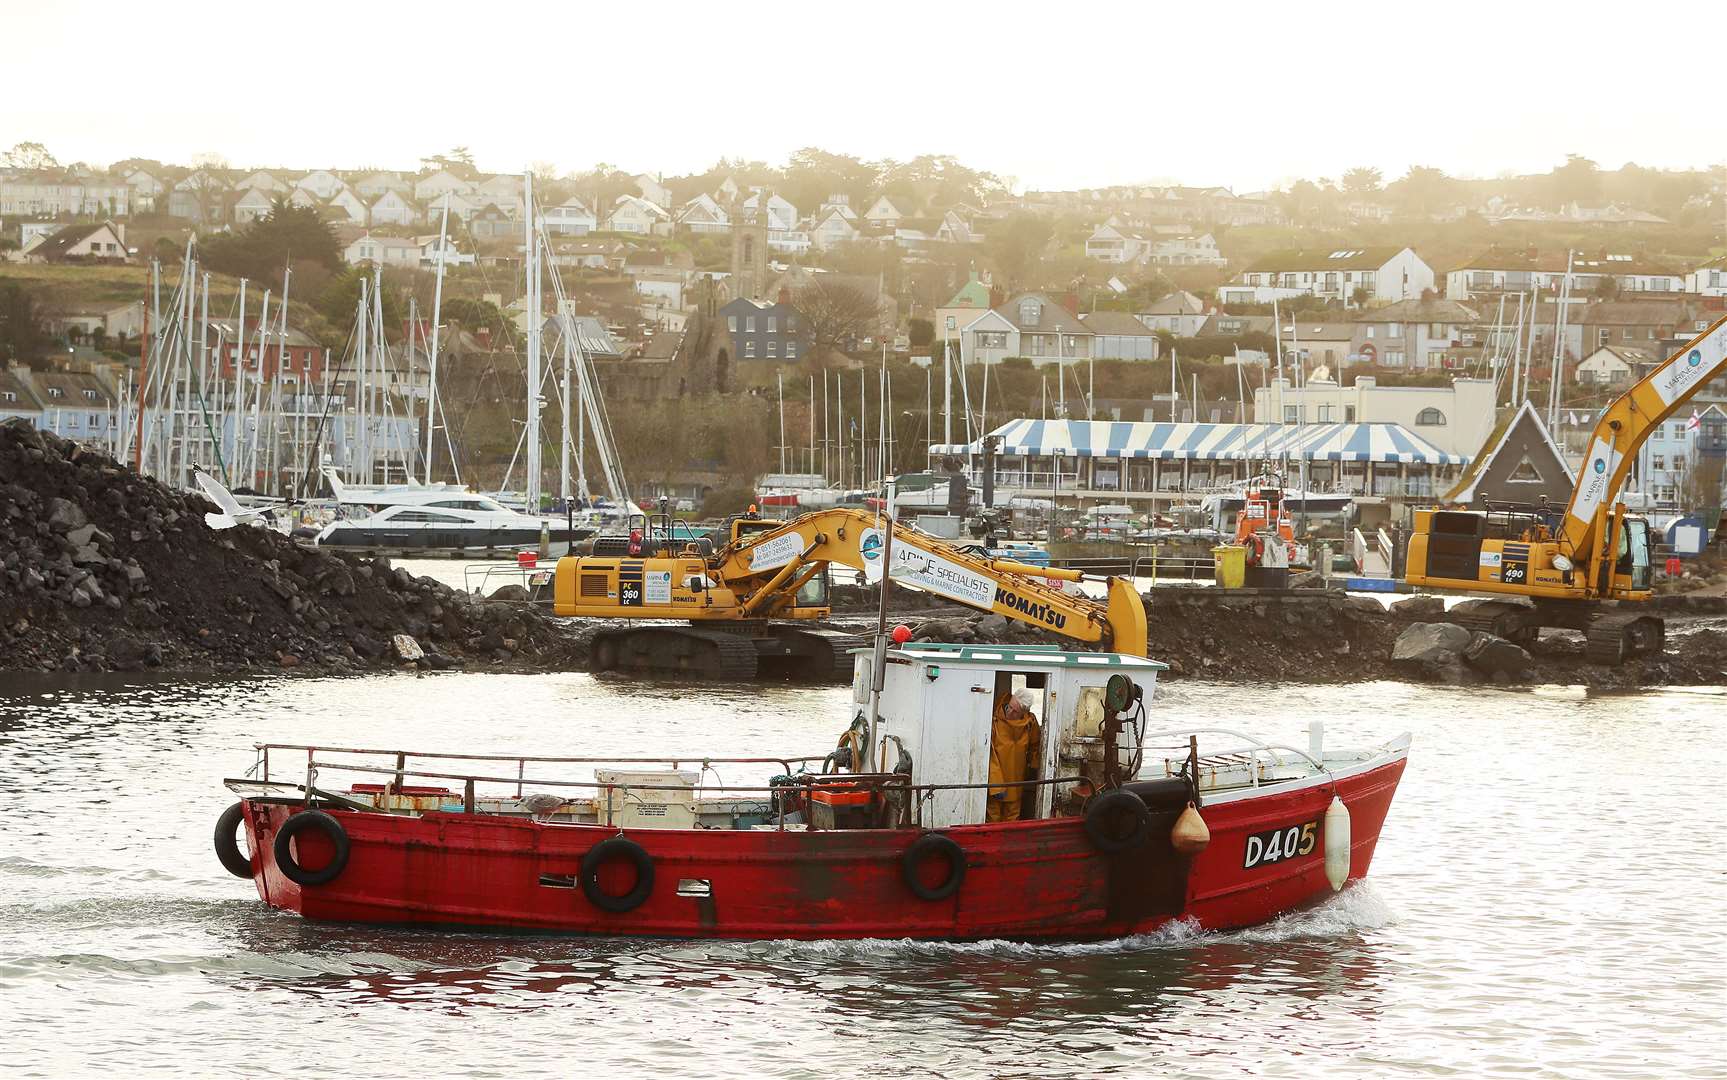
[
  {"x": 1418, "y": 333},
  {"x": 1502, "y": 270},
  {"x": 1351, "y": 276}
]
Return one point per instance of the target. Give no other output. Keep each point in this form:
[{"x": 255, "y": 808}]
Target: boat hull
[
  {"x": 1034, "y": 880},
  {"x": 401, "y": 538}
]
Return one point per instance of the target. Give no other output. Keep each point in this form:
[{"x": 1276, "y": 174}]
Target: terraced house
[{"x": 1354, "y": 277}]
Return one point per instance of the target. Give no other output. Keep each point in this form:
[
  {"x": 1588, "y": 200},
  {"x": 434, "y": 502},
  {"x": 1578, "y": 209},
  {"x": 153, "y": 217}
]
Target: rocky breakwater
[
  {"x": 103, "y": 570},
  {"x": 1432, "y": 650}
]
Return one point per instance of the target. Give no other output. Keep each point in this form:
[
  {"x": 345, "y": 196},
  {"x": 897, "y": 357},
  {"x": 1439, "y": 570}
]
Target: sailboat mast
[
  {"x": 437, "y": 311},
  {"x": 530, "y": 259}
]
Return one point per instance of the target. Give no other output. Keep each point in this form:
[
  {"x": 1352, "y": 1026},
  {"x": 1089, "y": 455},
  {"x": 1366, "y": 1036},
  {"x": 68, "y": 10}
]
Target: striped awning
[{"x": 1212, "y": 442}]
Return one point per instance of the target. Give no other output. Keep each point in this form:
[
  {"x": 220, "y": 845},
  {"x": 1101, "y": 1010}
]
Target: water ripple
[{"x": 1547, "y": 901}]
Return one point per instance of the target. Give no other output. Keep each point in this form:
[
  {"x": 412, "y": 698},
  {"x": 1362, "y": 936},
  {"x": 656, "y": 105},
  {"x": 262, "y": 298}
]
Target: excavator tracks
[
  {"x": 1614, "y": 638},
  {"x": 675, "y": 651}
]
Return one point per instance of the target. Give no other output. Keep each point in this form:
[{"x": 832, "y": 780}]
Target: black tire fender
[
  {"x": 324, "y": 823},
  {"x": 618, "y": 847},
  {"x": 924, "y": 848},
  {"x": 227, "y": 850},
  {"x": 1117, "y": 821}
]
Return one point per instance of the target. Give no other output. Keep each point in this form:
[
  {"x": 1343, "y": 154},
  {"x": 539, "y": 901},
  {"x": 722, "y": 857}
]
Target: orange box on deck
[{"x": 841, "y": 795}]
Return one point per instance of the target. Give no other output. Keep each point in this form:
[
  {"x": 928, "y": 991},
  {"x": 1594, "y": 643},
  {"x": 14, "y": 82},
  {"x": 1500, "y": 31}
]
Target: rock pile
[
  {"x": 101, "y": 569},
  {"x": 1446, "y": 652}
]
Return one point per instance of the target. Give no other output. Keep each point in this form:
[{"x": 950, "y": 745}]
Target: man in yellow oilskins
[{"x": 1015, "y": 744}]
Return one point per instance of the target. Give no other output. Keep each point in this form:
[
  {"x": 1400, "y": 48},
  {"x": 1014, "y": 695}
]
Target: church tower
[{"x": 750, "y": 247}]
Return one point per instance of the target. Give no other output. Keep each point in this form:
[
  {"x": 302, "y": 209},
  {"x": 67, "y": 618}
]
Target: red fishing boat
[{"x": 998, "y": 792}]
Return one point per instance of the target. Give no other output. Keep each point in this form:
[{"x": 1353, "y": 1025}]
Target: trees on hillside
[
  {"x": 833, "y": 315},
  {"x": 286, "y": 234},
  {"x": 1362, "y": 180},
  {"x": 29, "y": 155},
  {"x": 1423, "y": 191},
  {"x": 20, "y": 323},
  {"x": 1016, "y": 247}
]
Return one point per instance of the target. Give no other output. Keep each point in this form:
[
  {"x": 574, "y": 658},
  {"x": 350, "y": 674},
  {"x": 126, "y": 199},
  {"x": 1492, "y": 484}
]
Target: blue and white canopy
[{"x": 1212, "y": 442}]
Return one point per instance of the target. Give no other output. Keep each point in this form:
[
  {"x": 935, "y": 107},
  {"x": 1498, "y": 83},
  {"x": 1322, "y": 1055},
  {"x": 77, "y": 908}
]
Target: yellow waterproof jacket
[{"x": 1014, "y": 746}]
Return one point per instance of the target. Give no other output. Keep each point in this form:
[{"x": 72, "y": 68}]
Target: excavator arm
[
  {"x": 1625, "y": 427},
  {"x": 764, "y": 569}
]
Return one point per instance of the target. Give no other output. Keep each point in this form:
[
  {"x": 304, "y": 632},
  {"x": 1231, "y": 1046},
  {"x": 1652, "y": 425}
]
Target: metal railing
[{"x": 909, "y": 809}]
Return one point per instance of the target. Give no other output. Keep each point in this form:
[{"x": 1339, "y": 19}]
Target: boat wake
[{"x": 1357, "y": 908}]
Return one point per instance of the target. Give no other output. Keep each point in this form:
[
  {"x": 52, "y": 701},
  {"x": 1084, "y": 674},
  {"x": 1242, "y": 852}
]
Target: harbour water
[{"x": 1547, "y": 900}]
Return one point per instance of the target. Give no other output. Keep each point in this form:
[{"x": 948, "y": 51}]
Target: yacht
[{"x": 440, "y": 517}]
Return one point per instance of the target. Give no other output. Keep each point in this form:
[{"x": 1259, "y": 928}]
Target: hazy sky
[{"x": 1242, "y": 94}]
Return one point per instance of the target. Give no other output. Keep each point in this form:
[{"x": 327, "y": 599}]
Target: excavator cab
[{"x": 1631, "y": 554}]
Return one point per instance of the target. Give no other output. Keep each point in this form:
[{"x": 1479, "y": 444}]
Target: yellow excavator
[
  {"x": 1569, "y": 564},
  {"x": 739, "y": 608}
]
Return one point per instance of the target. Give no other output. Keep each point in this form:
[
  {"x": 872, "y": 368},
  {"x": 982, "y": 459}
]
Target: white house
[
  {"x": 263, "y": 180},
  {"x": 146, "y": 188},
  {"x": 1496, "y": 270},
  {"x": 394, "y": 208},
  {"x": 434, "y": 187},
  {"x": 955, "y": 228},
  {"x": 651, "y": 189},
  {"x": 1351, "y": 275},
  {"x": 375, "y": 184},
  {"x": 782, "y": 215},
  {"x": 505, "y": 191},
  {"x": 838, "y": 201},
  {"x": 347, "y": 204},
  {"x": 1613, "y": 365},
  {"x": 833, "y": 229},
  {"x": 429, "y": 252},
  {"x": 703, "y": 214},
  {"x": 789, "y": 241},
  {"x": 633, "y": 214},
  {"x": 886, "y": 213},
  {"x": 322, "y": 183},
  {"x": 252, "y": 204},
  {"x": 1710, "y": 279},
  {"x": 383, "y": 250},
  {"x": 1112, "y": 244},
  {"x": 463, "y": 205},
  {"x": 1184, "y": 250},
  {"x": 569, "y": 218},
  {"x": 1181, "y": 313},
  {"x": 988, "y": 339}
]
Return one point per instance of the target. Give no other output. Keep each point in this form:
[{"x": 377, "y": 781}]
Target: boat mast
[
  {"x": 530, "y": 259},
  {"x": 564, "y": 326},
  {"x": 437, "y": 309},
  {"x": 237, "y": 414}
]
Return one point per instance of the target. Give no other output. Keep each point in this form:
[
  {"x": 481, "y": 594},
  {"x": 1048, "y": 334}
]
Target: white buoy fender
[{"x": 1336, "y": 843}]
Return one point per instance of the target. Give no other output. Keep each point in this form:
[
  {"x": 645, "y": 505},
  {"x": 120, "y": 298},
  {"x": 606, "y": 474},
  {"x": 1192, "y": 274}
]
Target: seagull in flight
[{"x": 232, "y": 513}]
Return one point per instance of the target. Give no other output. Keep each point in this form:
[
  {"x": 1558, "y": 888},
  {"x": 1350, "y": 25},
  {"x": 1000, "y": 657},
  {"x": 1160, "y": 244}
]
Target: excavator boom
[
  {"x": 1561, "y": 572},
  {"x": 1015, "y": 590},
  {"x": 1627, "y": 425},
  {"x": 731, "y": 598}
]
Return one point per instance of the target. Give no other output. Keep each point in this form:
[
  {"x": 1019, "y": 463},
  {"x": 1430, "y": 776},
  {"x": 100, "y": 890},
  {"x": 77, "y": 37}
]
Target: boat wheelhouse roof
[{"x": 1029, "y": 655}]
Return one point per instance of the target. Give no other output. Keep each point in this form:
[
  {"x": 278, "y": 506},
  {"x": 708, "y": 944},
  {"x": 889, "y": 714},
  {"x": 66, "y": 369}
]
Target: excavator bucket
[{"x": 1127, "y": 618}]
